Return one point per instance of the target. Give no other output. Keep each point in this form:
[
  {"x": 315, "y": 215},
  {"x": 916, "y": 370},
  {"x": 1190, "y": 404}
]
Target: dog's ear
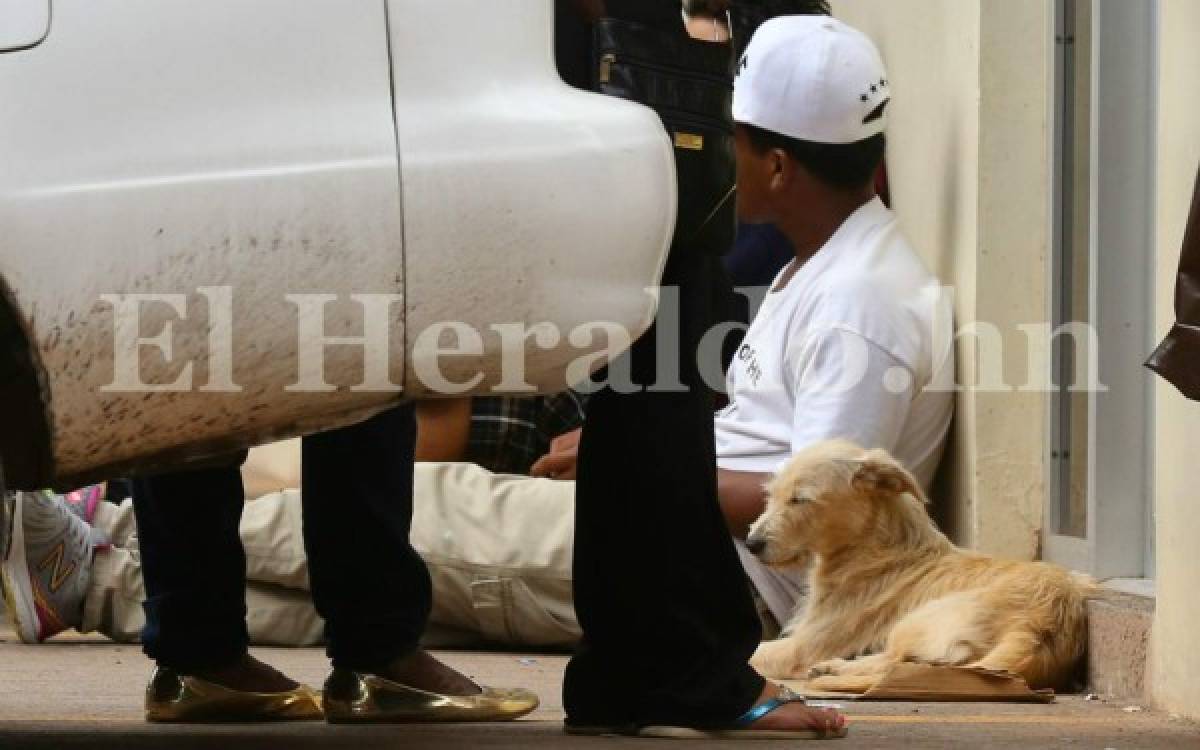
[{"x": 877, "y": 472}]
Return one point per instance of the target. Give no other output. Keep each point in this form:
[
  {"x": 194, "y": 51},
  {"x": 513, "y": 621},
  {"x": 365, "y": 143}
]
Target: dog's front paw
[
  {"x": 825, "y": 668},
  {"x": 776, "y": 659}
]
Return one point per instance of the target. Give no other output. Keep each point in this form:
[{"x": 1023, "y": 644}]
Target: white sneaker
[{"x": 46, "y": 564}]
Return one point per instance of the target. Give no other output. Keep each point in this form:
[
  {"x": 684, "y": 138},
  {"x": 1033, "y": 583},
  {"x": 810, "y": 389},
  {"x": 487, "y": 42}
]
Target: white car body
[{"x": 266, "y": 148}]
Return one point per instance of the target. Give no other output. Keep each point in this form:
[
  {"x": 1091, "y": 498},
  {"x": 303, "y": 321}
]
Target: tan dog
[{"x": 886, "y": 582}]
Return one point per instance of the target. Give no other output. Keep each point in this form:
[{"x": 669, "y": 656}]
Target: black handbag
[{"x": 689, "y": 84}]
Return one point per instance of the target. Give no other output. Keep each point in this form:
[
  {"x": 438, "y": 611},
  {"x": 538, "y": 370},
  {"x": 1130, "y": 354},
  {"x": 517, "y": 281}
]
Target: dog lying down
[{"x": 887, "y": 587}]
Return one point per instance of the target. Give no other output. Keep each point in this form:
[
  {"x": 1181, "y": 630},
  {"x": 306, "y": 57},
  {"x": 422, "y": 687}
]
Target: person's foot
[
  {"x": 794, "y": 716},
  {"x": 83, "y": 502},
  {"x": 247, "y": 675},
  {"x": 778, "y": 714},
  {"x": 244, "y": 691},
  {"x": 419, "y": 689},
  {"x": 422, "y": 671},
  {"x": 46, "y": 565}
]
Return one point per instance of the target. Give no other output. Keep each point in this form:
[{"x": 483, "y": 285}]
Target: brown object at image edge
[{"x": 1177, "y": 358}]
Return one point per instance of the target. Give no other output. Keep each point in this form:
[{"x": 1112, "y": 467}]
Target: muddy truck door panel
[
  {"x": 524, "y": 200},
  {"x": 162, "y": 147}
]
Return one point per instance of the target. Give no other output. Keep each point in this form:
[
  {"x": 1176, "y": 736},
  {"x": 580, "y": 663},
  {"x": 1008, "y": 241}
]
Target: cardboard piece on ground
[{"x": 925, "y": 683}]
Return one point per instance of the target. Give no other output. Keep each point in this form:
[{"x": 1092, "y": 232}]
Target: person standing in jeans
[{"x": 368, "y": 584}]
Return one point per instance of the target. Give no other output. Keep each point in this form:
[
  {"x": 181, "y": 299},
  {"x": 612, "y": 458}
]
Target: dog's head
[{"x": 832, "y": 496}]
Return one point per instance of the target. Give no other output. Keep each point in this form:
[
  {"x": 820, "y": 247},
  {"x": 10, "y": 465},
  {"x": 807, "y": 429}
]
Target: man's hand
[{"x": 562, "y": 460}]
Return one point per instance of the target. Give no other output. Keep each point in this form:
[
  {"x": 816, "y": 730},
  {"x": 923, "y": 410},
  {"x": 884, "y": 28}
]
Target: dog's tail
[{"x": 1058, "y": 643}]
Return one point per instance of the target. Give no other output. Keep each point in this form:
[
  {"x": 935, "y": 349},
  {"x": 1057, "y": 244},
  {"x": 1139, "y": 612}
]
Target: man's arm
[
  {"x": 742, "y": 498},
  {"x": 443, "y": 429},
  {"x": 740, "y": 493}
]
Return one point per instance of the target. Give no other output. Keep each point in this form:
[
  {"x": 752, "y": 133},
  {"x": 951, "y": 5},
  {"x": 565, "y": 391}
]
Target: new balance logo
[{"x": 60, "y": 574}]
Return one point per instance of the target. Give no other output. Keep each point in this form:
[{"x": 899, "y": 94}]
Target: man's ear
[
  {"x": 877, "y": 472},
  {"x": 781, "y": 169}
]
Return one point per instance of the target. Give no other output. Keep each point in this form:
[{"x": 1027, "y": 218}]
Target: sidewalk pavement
[{"x": 84, "y": 692}]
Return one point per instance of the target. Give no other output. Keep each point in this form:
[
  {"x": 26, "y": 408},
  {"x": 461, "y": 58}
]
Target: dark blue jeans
[{"x": 368, "y": 583}]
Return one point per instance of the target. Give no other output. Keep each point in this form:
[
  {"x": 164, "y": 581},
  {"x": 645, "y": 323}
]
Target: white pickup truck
[{"x": 231, "y": 153}]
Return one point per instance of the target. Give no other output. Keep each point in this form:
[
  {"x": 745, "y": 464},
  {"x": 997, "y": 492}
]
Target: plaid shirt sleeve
[{"x": 508, "y": 435}]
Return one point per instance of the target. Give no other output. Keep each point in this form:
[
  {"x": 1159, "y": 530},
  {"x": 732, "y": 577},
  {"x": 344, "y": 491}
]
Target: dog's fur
[{"x": 887, "y": 587}]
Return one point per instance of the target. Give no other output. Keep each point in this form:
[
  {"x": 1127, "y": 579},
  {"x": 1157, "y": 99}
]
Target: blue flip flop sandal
[{"x": 739, "y": 731}]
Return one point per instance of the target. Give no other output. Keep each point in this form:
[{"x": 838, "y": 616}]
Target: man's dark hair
[
  {"x": 705, "y": 7},
  {"x": 772, "y": 8},
  {"x": 748, "y": 15},
  {"x": 846, "y": 166}
]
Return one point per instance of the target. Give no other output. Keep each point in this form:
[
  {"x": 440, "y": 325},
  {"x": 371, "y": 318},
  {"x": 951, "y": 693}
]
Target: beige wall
[
  {"x": 1176, "y": 660},
  {"x": 969, "y": 160},
  {"x": 971, "y": 83}
]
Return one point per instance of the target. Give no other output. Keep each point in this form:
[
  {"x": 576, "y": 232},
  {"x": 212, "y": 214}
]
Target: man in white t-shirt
[{"x": 854, "y": 337}]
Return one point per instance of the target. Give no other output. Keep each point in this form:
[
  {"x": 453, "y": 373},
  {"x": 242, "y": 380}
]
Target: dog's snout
[{"x": 756, "y": 544}]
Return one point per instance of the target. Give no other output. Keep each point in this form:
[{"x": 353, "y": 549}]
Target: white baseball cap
[{"x": 812, "y": 78}]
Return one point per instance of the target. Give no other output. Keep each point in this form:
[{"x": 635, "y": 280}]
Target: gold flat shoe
[
  {"x": 172, "y": 697},
  {"x": 355, "y": 697}
]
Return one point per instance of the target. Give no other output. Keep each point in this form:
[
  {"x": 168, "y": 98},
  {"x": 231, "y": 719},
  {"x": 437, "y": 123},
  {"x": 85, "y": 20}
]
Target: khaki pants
[{"x": 498, "y": 549}]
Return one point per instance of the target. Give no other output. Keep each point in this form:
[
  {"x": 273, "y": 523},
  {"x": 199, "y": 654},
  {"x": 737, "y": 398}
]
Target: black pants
[
  {"x": 368, "y": 583},
  {"x": 668, "y": 620}
]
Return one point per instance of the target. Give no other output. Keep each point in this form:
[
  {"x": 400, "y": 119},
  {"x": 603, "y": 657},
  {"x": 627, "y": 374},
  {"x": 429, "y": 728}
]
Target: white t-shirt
[{"x": 857, "y": 344}]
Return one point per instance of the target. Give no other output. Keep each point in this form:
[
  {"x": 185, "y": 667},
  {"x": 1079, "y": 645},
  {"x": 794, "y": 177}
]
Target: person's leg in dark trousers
[
  {"x": 669, "y": 624},
  {"x": 372, "y": 587},
  {"x": 194, "y": 566},
  {"x": 367, "y": 581},
  {"x": 194, "y": 569}
]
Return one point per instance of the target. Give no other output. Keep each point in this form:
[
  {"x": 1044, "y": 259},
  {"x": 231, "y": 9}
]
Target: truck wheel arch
[{"x": 25, "y": 455}]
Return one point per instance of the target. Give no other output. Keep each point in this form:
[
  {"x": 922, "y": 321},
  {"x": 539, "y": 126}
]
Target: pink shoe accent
[
  {"x": 88, "y": 498},
  {"x": 95, "y": 496}
]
